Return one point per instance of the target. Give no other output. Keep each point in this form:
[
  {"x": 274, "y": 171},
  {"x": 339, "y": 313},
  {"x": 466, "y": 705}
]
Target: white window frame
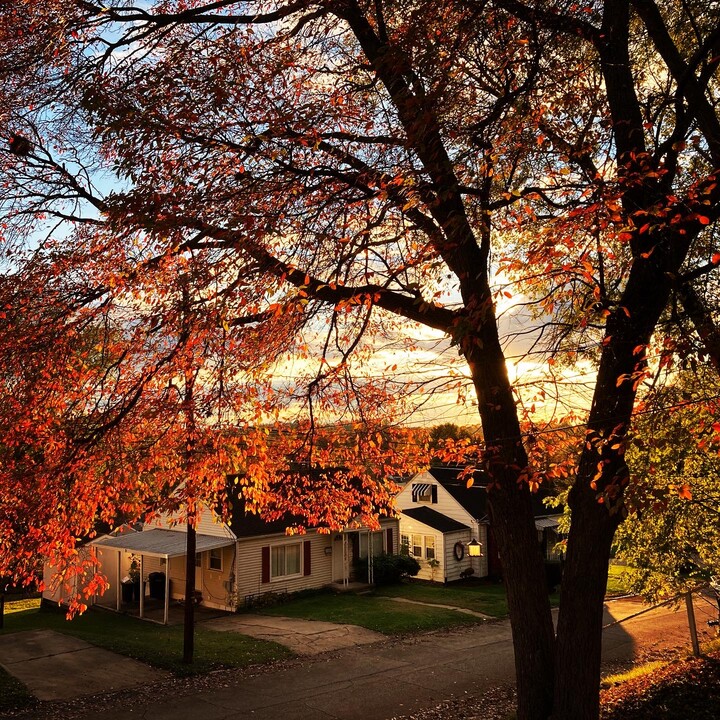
[
  {"x": 422, "y": 546},
  {"x": 218, "y": 556},
  {"x": 426, "y": 498},
  {"x": 284, "y": 546},
  {"x": 427, "y": 547}
]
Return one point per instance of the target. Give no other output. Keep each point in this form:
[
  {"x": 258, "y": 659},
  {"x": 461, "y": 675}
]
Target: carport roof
[
  {"x": 547, "y": 522},
  {"x": 161, "y": 543}
]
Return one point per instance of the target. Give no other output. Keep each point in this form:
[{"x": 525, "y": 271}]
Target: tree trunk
[
  {"x": 579, "y": 632},
  {"x": 514, "y": 526},
  {"x": 189, "y": 626},
  {"x": 528, "y": 602}
]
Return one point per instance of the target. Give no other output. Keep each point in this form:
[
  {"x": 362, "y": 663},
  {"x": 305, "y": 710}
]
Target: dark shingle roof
[
  {"x": 474, "y": 498},
  {"x": 434, "y": 519}
]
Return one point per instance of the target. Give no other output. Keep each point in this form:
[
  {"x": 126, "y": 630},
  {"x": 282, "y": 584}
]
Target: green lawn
[
  {"x": 479, "y": 595},
  {"x": 377, "y": 612},
  {"x": 157, "y": 645},
  {"x": 370, "y": 611},
  {"x": 617, "y": 584}
]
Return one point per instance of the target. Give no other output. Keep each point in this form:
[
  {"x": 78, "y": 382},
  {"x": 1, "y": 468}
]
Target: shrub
[{"x": 389, "y": 569}]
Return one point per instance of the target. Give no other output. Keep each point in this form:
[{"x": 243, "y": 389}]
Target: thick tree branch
[{"x": 693, "y": 91}]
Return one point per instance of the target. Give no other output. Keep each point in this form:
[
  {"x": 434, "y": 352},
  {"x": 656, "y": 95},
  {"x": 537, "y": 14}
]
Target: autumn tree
[
  {"x": 326, "y": 173},
  {"x": 670, "y": 538}
]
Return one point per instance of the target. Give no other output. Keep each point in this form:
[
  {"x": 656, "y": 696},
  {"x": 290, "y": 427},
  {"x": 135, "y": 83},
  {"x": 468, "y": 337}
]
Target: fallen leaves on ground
[{"x": 684, "y": 689}]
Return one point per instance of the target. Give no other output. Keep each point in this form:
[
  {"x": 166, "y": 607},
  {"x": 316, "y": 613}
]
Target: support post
[
  {"x": 142, "y": 585},
  {"x": 167, "y": 590},
  {"x": 691, "y": 623},
  {"x": 189, "y": 624},
  {"x": 118, "y": 587}
]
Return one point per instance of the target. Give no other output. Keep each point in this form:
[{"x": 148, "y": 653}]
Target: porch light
[
  {"x": 328, "y": 550},
  {"x": 474, "y": 548}
]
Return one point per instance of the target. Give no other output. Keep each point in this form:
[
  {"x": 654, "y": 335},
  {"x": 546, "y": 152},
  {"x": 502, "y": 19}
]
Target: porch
[{"x": 137, "y": 566}]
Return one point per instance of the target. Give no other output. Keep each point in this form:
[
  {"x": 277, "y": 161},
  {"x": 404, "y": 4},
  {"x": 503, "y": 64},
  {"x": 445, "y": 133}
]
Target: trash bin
[
  {"x": 127, "y": 590},
  {"x": 156, "y": 581}
]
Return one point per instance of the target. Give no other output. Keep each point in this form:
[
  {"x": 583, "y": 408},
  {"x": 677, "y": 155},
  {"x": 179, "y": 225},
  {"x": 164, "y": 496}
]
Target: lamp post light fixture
[{"x": 474, "y": 548}]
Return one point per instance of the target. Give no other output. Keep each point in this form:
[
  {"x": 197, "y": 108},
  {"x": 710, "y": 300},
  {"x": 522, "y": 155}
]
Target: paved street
[{"x": 396, "y": 677}]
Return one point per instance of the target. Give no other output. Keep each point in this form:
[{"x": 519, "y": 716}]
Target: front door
[{"x": 345, "y": 550}]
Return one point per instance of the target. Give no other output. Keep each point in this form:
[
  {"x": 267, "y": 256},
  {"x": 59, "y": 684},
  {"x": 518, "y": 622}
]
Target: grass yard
[
  {"x": 617, "y": 583},
  {"x": 478, "y": 595},
  {"x": 157, "y": 645},
  {"x": 371, "y": 611},
  {"x": 377, "y": 611}
]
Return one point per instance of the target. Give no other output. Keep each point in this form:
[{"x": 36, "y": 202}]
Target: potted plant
[{"x": 134, "y": 575}]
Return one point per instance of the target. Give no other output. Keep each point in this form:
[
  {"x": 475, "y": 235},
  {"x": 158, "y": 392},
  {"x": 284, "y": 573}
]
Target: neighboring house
[
  {"x": 237, "y": 561},
  {"x": 440, "y": 515}
]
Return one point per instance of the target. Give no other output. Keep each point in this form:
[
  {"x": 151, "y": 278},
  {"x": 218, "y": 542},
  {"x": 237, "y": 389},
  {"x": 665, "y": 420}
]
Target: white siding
[
  {"x": 453, "y": 566},
  {"x": 208, "y": 524},
  {"x": 449, "y": 568},
  {"x": 408, "y": 526},
  {"x": 394, "y": 525},
  {"x": 480, "y": 565},
  {"x": 446, "y": 504},
  {"x": 249, "y": 565},
  {"x": 60, "y": 590},
  {"x": 215, "y": 586}
]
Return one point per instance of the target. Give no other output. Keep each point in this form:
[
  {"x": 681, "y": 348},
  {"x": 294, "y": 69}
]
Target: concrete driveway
[
  {"x": 60, "y": 667},
  {"x": 304, "y": 637}
]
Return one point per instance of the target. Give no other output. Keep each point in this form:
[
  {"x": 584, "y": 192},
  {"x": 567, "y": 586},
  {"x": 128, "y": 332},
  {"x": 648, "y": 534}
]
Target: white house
[
  {"x": 236, "y": 562},
  {"x": 440, "y": 516}
]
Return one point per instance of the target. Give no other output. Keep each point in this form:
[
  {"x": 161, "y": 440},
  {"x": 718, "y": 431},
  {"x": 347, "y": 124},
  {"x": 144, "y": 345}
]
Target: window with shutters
[{"x": 285, "y": 560}]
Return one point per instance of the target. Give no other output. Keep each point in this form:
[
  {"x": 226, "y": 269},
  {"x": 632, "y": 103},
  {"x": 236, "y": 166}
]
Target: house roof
[
  {"x": 434, "y": 519},
  {"x": 247, "y": 524},
  {"x": 474, "y": 498},
  {"x": 547, "y": 522},
  {"x": 161, "y": 543}
]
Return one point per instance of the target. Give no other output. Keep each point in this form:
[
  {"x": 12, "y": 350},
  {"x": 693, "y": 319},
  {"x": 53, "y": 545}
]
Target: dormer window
[{"x": 424, "y": 493}]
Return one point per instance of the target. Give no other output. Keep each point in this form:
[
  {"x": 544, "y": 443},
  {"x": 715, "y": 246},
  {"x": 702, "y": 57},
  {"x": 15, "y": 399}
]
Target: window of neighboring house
[
  {"x": 421, "y": 546},
  {"x": 404, "y": 544},
  {"x": 285, "y": 560},
  {"x": 216, "y": 559},
  {"x": 377, "y": 543},
  {"x": 429, "y": 547},
  {"x": 425, "y": 494}
]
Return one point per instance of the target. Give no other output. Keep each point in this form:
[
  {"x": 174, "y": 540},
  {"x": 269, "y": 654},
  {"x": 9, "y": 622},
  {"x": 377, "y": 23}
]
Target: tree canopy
[{"x": 194, "y": 192}]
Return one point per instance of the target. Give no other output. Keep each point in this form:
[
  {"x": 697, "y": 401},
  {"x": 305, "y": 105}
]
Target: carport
[{"x": 157, "y": 543}]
